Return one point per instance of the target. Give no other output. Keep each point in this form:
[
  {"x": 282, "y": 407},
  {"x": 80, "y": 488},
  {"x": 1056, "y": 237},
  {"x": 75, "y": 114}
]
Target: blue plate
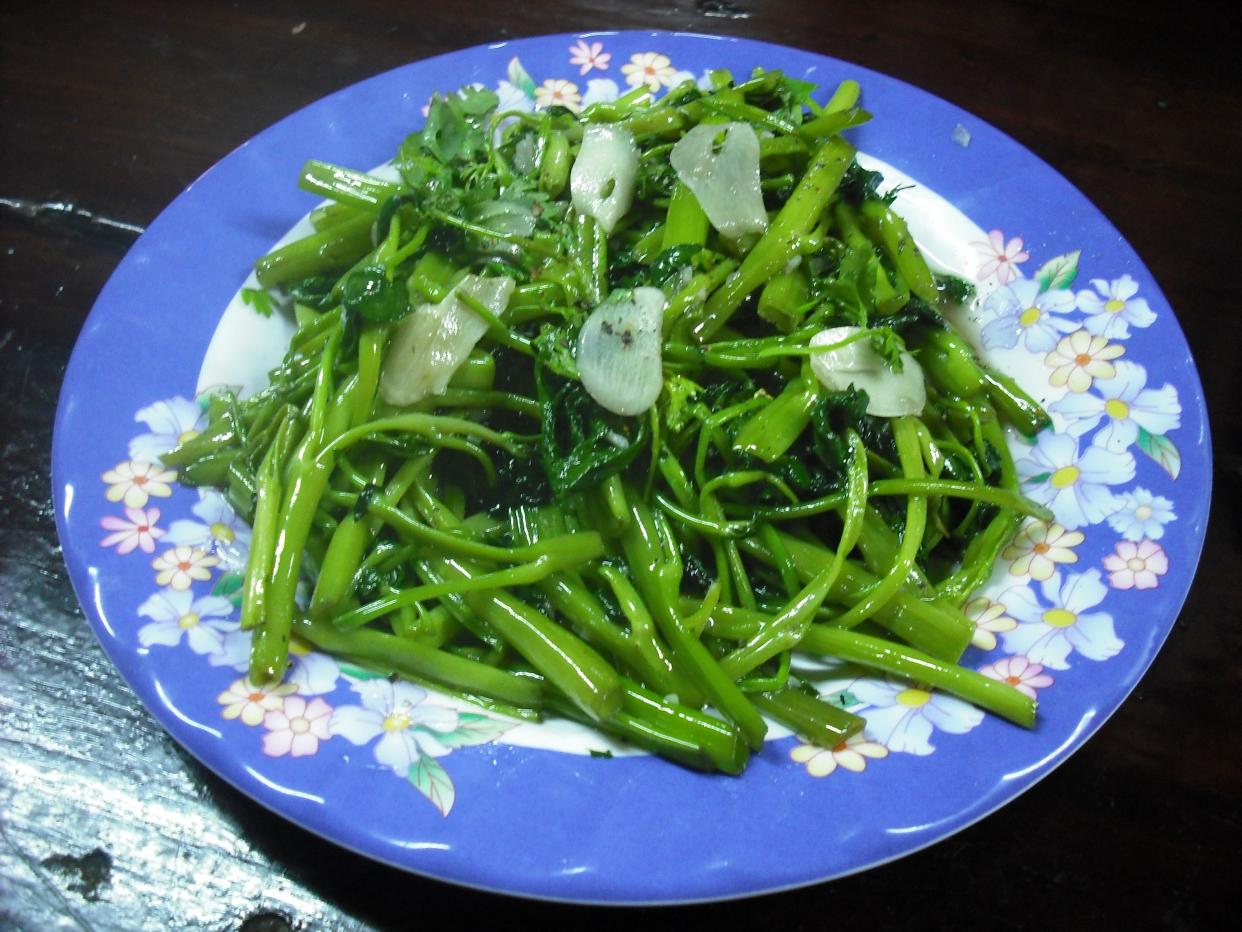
[{"x": 1075, "y": 613}]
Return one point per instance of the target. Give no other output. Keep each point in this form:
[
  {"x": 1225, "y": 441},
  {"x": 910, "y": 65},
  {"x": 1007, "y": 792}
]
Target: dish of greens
[
  {"x": 638, "y": 463},
  {"x": 606, "y": 414}
]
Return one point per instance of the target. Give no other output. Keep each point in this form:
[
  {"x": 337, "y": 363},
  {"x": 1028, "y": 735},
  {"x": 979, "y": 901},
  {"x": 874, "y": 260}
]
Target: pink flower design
[
  {"x": 1136, "y": 565},
  {"x": 297, "y": 727},
  {"x": 138, "y": 532},
  {"x": 1020, "y": 673},
  {"x": 1001, "y": 258},
  {"x": 589, "y": 56}
]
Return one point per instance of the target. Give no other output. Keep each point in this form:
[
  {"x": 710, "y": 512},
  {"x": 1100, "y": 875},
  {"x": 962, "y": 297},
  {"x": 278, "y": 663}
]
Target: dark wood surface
[{"x": 110, "y": 109}]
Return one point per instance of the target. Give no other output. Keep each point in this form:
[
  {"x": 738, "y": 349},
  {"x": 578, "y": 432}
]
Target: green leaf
[
  {"x": 433, "y": 781},
  {"x": 1036, "y": 480},
  {"x": 472, "y": 729},
  {"x": 258, "y": 299},
  {"x": 369, "y": 292},
  {"x": 1162, "y": 450},
  {"x": 520, "y": 79},
  {"x": 1059, "y": 271}
]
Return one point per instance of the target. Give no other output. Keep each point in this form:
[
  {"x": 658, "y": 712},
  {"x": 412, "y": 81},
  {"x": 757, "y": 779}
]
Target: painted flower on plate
[
  {"x": 512, "y": 98},
  {"x": 1113, "y": 308},
  {"x": 1020, "y": 673},
  {"x": 136, "y": 532},
  {"x": 297, "y": 727},
  {"x": 649, "y": 68},
  {"x": 989, "y": 619},
  {"x": 1049, "y": 633},
  {"x": 1000, "y": 258},
  {"x": 1079, "y": 359},
  {"x": 1039, "y": 547},
  {"x": 851, "y": 754},
  {"x": 135, "y": 481},
  {"x": 1021, "y": 311},
  {"x": 903, "y": 717},
  {"x": 1141, "y": 514},
  {"x": 1124, "y": 404},
  {"x": 169, "y": 423},
  {"x": 1074, "y": 484},
  {"x": 557, "y": 92},
  {"x": 600, "y": 90},
  {"x": 399, "y": 715},
  {"x": 588, "y": 55},
  {"x": 176, "y": 614},
  {"x": 218, "y": 530},
  {"x": 1138, "y": 565},
  {"x": 250, "y": 703},
  {"x": 180, "y": 567},
  {"x": 311, "y": 673}
]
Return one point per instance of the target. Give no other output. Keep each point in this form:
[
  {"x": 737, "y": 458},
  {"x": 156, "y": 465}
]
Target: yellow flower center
[
  {"x": 1117, "y": 409},
  {"x": 1059, "y": 617},
  {"x": 1114, "y": 306},
  {"x": 1029, "y": 316},
  {"x": 1064, "y": 477},
  {"x": 188, "y": 435},
  {"x": 1136, "y": 564},
  {"x": 398, "y": 721},
  {"x": 188, "y": 620},
  {"x": 222, "y": 533},
  {"x": 1042, "y": 548},
  {"x": 914, "y": 697},
  {"x": 1142, "y": 512},
  {"x": 299, "y": 726},
  {"x": 298, "y": 648}
]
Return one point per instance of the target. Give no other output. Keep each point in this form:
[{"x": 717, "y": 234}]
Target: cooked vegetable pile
[{"x": 605, "y": 415}]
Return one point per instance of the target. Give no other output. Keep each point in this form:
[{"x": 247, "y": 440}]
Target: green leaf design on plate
[
  {"x": 472, "y": 729},
  {"x": 433, "y": 781},
  {"x": 842, "y": 698},
  {"x": 520, "y": 79},
  {"x": 1036, "y": 480},
  {"x": 358, "y": 673},
  {"x": 1059, "y": 271},
  {"x": 1163, "y": 450},
  {"x": 229, "y": 585}
]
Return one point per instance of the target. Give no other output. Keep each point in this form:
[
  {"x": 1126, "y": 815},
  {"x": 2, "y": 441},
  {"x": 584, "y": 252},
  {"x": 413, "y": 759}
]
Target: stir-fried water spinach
[{"x": 606, "y": 415}]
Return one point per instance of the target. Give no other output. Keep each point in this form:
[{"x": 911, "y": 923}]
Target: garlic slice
[
  {"x": 725, "y": 183},
  {"x": 889, "y": 393},
  {"x": 601, "y": 181},
  {"x": 431, "y": 343},
  {"x": 619, "y": 352}
]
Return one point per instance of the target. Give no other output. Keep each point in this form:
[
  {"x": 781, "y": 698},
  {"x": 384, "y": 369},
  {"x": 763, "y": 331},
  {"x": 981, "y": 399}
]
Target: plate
[{"x": 1075, "y": 613}]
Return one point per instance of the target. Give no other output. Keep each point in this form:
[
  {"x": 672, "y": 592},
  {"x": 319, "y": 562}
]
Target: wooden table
[{"x": 109, "y": 110}]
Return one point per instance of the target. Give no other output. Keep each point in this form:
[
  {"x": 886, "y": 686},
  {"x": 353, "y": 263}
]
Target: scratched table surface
[{"x": 108, "y": 114}]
